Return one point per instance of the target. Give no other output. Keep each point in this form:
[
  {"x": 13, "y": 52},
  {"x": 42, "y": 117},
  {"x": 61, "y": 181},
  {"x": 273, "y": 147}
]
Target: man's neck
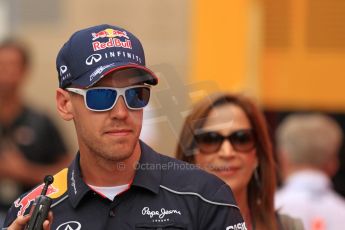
[
  {"x": 292, "y": 169},
  {"x": 103, "y": 172}
]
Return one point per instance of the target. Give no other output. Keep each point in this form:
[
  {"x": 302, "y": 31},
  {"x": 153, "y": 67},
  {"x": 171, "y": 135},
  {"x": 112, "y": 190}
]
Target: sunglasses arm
[{"x": 77, "y": 91}]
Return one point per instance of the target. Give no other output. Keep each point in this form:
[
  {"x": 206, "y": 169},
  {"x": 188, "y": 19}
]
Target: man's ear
[{"x": 64, "y": 104}]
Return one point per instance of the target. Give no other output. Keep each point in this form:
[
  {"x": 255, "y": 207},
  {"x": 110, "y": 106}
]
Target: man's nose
[{"x": 120, "y": 110}]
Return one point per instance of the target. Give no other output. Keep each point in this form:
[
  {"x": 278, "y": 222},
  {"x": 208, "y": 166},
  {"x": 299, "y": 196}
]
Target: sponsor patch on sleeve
[{"x": 54, "y": 190}]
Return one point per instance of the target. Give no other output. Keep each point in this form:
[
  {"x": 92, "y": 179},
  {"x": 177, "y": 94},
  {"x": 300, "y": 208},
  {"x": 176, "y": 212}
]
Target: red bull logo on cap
[
  {"x": 109, "y": 33},
  {"x": 113, "y": 41},
  {"x": 26, "y": 200}
]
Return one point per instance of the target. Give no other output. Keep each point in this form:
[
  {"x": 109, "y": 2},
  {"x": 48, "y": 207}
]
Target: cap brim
[{"x": 92, "y": 77}]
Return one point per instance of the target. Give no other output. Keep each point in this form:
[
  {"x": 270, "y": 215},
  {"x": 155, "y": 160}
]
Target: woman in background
[{"x": 227, "y": 135}]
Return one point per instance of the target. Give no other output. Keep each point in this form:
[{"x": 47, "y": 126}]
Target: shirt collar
[
  {"x": 148, "y": 171},
  {"x": 309, "y": 179},
  {"x": 76, "y": 185},
  {"x": 147, "y": 176}
]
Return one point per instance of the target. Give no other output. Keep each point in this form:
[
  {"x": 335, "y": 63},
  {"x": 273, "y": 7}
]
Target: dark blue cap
[{"x": 94, "y": 52}]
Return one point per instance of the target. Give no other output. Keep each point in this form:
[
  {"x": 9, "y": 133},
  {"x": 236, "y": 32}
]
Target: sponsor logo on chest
[{"x": 161, "y": 215}]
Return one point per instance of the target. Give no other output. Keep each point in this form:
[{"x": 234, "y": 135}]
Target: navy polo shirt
[{"x": 165, "y": 194}]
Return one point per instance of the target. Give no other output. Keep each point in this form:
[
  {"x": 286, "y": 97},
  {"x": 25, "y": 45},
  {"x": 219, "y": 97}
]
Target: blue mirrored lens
[
  {"x": 137, "y": 98},
  {"x": 100, "y": 99}
]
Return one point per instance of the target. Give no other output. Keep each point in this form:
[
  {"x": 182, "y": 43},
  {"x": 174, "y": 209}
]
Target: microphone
[{"x": 40, "y": 207}]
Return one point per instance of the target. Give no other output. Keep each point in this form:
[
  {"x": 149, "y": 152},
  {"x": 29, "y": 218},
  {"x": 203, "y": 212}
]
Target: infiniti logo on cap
[{"x": 93, "y": 58}]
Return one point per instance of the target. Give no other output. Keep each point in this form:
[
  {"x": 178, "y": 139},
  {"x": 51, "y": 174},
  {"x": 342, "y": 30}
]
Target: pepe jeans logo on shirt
[{"x": 159, "y": 213}]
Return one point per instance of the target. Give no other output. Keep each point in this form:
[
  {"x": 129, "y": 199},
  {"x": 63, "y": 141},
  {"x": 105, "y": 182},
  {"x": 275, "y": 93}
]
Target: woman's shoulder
[{"x": 287, "y": 222}]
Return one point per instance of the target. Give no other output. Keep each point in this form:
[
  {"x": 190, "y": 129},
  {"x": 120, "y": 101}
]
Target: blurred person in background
[
  {"x": 226, "y": 134},
  {"x": 308, "y": 147},
  {"x": 30, "y": 144}
]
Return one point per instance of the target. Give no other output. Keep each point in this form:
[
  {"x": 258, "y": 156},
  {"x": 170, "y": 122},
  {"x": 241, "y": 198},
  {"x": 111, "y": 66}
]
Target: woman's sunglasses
[
  {"x": 101, "y": 99},
  {"x": 210, "y": 142}
]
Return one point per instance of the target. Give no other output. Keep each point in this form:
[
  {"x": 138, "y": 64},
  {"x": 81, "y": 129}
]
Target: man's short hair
[{"x": 309, "y": 139}]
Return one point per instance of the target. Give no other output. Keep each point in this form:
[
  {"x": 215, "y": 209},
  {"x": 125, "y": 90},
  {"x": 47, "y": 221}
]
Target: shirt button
[{"x": 112, "y": 213}]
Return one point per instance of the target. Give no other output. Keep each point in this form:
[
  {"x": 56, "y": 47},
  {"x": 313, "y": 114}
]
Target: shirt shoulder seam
[{"x": 198, "y": 195}]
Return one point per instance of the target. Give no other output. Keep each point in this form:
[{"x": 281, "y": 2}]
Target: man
[
  {"x": 308, "y": 145},
  {"x": 116, "y": 180},
  {"x": 30, "y": 144}
]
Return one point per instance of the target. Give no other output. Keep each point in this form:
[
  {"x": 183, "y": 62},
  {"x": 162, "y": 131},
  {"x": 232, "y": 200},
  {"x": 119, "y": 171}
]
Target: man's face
[
  {"x": 111, "y": 135},
  {"x": 12, "y": 69}
]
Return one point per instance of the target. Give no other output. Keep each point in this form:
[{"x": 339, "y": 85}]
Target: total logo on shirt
[{"x": 239, "y": 226}]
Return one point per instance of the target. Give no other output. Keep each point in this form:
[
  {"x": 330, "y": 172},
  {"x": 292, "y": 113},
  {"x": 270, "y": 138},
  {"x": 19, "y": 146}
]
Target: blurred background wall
[
  {"x": 287, "y": 54},
  {"x": 290, "y": 54}
]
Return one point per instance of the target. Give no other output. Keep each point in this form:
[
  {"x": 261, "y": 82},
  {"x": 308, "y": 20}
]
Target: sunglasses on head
[
  {"x": 101, "y": 99},
  {"x": 210, "y": 142}
]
